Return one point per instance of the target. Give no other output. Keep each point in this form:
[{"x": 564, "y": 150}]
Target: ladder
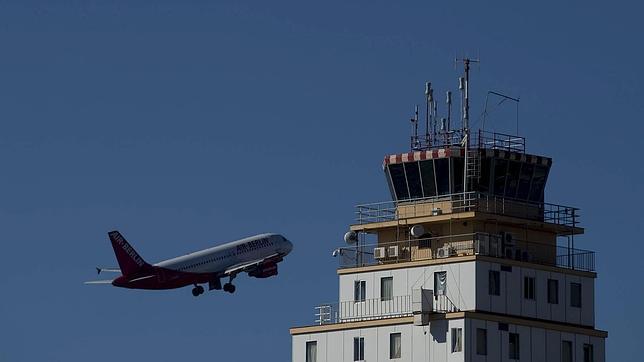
[{"x": 473, "y": 164}]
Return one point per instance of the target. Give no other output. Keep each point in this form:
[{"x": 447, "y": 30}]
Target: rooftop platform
[
  {"x": 455, "y": 248},
  {"x": 562, "y": 220}
]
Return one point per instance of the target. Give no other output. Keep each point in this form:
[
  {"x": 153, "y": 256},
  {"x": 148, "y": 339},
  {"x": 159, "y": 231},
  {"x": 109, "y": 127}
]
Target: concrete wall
[
  {"x": 535, "y": 344},
  {"x": 460, "y": 282},
  {"x": 511, "y": 300},
  {"x": 433, "y": 343}
]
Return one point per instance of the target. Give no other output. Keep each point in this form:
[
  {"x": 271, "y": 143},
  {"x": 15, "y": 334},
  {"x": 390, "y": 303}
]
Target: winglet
[{"x": 129, "y": 260}]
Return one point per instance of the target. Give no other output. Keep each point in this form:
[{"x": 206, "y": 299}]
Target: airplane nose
[{"x": 288, "y": 246}]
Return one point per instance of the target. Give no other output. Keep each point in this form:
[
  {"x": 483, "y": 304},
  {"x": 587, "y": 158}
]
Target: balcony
[
  {"x": 560, "y": 215},
  {"x": 377, "y": 308},
  {"x": 483, "y": 244}
]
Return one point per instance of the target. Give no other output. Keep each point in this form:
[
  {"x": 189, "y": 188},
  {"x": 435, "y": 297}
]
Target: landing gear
[
  {"x": 197, "y": 290},
  {"x": 230, "y": 288}
]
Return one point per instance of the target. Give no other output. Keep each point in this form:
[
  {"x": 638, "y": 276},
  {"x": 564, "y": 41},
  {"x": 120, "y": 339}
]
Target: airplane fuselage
[{"x": 205, "y": 266}]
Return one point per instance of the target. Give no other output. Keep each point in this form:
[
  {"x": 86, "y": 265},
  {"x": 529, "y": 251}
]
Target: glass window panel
[
  {"x": 429, "y": 182},
  {"x": 358, "y": 349},
  {"x": 359, "y": 290},
  {"x": 395, "y": 345},
  {"x": 524, "y": 181},
  {"x": 397, "y": 173},
  {"x": 440, "y": 283},
  {"x": 528, "y": 288},
  {"x": 391, "y": 187},
  {"x": 311, "y": 351},
  {"x": 512, "y": 182},
  {"x": 457, "y": 340},
  {"x": 386, "y": 288},
  {"x": 457, "y": 170},
  {"x": 553, "y": 291},
  {"x": 538, "y": 183},
  {"x": 513, "y": 346},
  {"x": 589, "y": 353},
  {"x": 500, "y": 173},
  {"x": 481, "y": 341},
  {"x": 442, "y": 175},
  {"x": 495, "y": 282},
  {"x": 566, "y": 351},
  {"x": 575, "y": 295},
  {"x": 413, "y": 180},
  {"x": 484, "y": 181}
]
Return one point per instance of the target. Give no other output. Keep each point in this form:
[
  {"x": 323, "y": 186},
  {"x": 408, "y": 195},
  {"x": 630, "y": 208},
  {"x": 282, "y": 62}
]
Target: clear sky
[{"x": 189, "y": 123}]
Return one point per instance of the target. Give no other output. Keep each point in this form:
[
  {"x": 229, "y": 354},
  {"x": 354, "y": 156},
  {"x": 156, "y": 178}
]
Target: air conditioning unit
[
  {"x": 444, "y": 252},
  {"x": 392, "y": 251},
  {"x": 437, "y": 211},
  {"x": 379, "y": 253}
]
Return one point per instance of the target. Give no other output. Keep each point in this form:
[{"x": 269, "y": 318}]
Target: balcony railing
[
  {"x": 480, "y": 139},
  {"x": 484, "y": 244},
  {"x": 377, "y": 308},
  {"x": 467, "y": 201}
]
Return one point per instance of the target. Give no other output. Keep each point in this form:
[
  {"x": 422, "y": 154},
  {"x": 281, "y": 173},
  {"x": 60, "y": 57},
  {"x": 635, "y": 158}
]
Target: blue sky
[{"x": 184, "y": 124}]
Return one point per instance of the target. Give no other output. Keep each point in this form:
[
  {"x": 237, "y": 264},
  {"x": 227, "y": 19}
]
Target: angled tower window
[
  {"x": 442, "y": 175},
  {"x": 413, "y": 180},
  {"x": 429, "y": 180},
  {"x": 500, "y": 173},
  {"x": 398, "y": 180}
]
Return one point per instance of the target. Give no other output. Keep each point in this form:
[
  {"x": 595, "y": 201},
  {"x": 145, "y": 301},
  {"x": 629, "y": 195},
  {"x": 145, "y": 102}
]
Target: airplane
[{"x": 256, "y": 255}]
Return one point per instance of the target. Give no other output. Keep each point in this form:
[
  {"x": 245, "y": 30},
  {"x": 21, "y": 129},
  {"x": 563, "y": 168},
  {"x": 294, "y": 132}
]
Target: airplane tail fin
[{"x": 129, "y": 260}]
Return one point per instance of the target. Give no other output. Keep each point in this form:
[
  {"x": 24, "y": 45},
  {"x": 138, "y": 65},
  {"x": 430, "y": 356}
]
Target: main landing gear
[
  {"x": 197, "y": 290},
  {"x": 229, "y": 287}
]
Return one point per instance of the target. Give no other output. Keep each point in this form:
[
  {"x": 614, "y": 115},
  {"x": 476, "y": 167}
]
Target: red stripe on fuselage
[{"x": 162, "y": 278}]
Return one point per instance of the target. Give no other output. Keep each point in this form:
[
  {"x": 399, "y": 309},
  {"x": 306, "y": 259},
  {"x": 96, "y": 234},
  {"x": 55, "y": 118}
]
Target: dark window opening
[
  {"x": 442, "y": 175},
  {"x": 494, "y": 286},
  {"x": 524, "y": 181},
  {"x": 413, "y": 180},
  {"x": 397, "y": 173},
  {"x": 538, "y": 183},
  {"x": 512, "y": 183},
  {"x": 553, "y": 291},
  {"x": 429, "y": 181},
  {"x": 500, "y": 173},
  {"x": 457, "y": 170}
]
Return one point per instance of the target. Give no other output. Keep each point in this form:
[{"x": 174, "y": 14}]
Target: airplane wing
[{"x": 251, "y": 265}]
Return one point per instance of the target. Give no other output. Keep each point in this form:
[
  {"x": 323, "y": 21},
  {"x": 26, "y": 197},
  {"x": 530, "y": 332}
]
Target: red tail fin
[{"x": 129, "y": 260}]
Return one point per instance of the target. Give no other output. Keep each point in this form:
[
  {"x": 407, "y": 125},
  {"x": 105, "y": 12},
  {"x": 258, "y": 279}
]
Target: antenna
[
  {"x": 449, "y": 109},
  {"x": 464, "y": 86},
  {"x": 428, "y": 87},
  {"x": 415, "y": 144}
]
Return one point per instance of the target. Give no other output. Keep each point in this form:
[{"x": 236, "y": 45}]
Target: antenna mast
[{"x": 464, "y": 86}]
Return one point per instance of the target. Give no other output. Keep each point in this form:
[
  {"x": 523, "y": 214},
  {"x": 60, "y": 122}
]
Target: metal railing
[
  {"x": 467, "y": 201},
  {"x": 484, "y": 244},
  {"x": 376, "y": 308},
  {"x": 478, "y": 140}
]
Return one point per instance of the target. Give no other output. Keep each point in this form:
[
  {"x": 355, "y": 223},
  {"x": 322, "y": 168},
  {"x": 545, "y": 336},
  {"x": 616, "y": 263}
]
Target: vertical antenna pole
[
  {"x": 449, "y": 110},
  {"x": 428, "y": 86},
  {"x": 416, "y": 126}
]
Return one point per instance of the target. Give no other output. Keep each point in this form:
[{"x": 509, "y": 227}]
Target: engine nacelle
[{"x": 265, "y": 271}]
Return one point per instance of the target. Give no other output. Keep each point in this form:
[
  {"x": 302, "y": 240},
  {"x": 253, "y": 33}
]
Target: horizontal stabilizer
[
  {"x": 107, "y": 270},
  {"x": 98, "y": 282}
]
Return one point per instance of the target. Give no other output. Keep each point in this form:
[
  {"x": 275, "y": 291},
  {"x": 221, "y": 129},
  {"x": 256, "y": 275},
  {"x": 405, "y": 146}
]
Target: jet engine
[{"x": 264, "y": 271}]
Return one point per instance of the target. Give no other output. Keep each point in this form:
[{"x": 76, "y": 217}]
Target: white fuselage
[{"x": 219, "y": 258}]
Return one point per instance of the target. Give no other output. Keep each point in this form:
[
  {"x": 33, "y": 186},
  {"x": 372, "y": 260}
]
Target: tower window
[
  {"x": 358, "y": 349},
  {"x": 494, "y": 286},
  {"x": 575, "y": 295},
  {"x": 457, "y": 339},
  {"x": 553, "y": 291},
  {"x": 481, "y": 341},
  {"x": 528, "y": 288},
  {"x": 311, "y": 351},
  {"x": 589, "y": 353},
  {"x": 359, "y": 290},
  {"x": 513, "y": 350},
  {"x": 566, "y": 351},
  {"x": 386, "y": 288},
  {"x": 395, "y": 345}
]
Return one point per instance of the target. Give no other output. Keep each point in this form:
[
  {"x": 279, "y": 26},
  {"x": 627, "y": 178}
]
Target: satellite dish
[
  {"x": 351, "y": 237},
  {"x": 417, "y": 231}
]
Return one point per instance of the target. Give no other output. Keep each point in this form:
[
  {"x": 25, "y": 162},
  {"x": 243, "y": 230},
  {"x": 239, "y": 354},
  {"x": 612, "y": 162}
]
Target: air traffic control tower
[{"x": 467, "y": 262}]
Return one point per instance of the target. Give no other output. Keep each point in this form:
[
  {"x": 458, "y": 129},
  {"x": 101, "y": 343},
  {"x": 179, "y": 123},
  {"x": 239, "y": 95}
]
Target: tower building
[{"x": 467, "y": 262}]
